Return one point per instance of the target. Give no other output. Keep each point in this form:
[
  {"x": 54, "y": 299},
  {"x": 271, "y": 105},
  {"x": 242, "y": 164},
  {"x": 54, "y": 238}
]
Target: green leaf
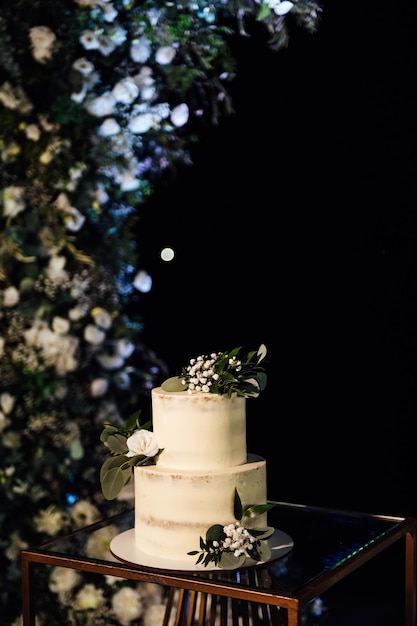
[
  {"x": 229, "y": 561},
  {"x": 111, "y": 462},
  {"x": 133, "y": 421},
  {"x": 117, "y": 443},
  {"x": 263, "y": 12},
  {"x": 215, "y": 533},
  {"x": 262, "y": 379},
  {"x": 261, "y": 551},
  {"x": 173, "y": 384},
  {"x": 237, "y": 507},
  {"x": 114, "y": 476},
  {"x": 262, "y": 533},
  {"x": 258, "y": 509},
  {"x": 108, "y": 430}
]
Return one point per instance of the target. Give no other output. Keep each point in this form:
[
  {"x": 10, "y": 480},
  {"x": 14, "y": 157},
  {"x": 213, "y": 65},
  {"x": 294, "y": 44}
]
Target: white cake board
[{"x": 124, "y": 548}]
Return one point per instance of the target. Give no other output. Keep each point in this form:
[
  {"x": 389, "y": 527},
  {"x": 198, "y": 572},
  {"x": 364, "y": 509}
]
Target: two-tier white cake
[
  {"x": 192, "y": 485},
  {"x": 199, "y": 496}
]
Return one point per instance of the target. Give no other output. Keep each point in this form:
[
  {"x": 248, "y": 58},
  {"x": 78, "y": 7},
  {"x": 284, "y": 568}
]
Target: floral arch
[{"x": 99, "y": 101}]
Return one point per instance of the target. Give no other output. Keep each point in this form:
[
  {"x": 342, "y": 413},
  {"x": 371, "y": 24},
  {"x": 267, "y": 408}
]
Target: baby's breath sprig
[{"x": 223, "y": 373}]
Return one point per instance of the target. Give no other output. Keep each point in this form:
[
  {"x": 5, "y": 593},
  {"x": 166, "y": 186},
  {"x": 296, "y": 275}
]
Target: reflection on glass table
[{"x": 324, "y": 546}]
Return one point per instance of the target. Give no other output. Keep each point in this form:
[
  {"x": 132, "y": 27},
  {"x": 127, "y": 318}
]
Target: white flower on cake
[
  {"x": 134, "y": 445},
  {"x": 142, "y": 442}
]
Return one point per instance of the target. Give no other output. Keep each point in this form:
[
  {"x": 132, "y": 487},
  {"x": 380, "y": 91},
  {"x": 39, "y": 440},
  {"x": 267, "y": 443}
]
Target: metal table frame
[{"x": 253, "y": 588}]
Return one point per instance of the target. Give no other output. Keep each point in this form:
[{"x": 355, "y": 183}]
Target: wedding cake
[{"x": 192, "y": 471}]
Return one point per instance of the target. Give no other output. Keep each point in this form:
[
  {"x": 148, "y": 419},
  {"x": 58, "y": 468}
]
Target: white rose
[
  {"x": 60, "y": 325},
  {"x": 42, "y": 36},
  {"x": 32, "y": 132},
  {"x": 282, "y": 8},
  {"x": 127, "y": 181},
  {"x": 142, "y": 442},
  {"x": 84, "y": 66},
  {"x": 101, "y": 317},
  {"x": 84, "y": 513},
  {"x": 109, "y": 127},
  {"x": 125, "y": 91},
  {"x": 42, "y": 39},
  {"x": 99, "y": 387},
  {"x": 89, "y": 597},
  {"x": 55, "y": 269},
  {"x": 102, "y": 106},
  {"x": 140, "y": 50},
  {"x": 154, "y": 615},
  {"x": 180, "y": 114},
  {"x": 165, "y": 54},
  {"x": 13, "y": 199},
  {"x": 7, "y": 402},
  {"x": 63, "y": 579},
  {"x": 76, "y": 313},
  {"x": 142, "y": 281},
  {"x": 125, "y": 348},
  {"x": 89, "y": 40},
  {"x": 110, "y": 361},
  {"x": 10, "y": 296},
  {"x": 93, "y": 335},
  {"x": 98, "y": 543},
  {"x": 50, "y": 521},
  {"x": 127, "y": 605},
  {"x": 141, "y": 123},
  {"x": 65, "y": 363},
  {"x": 4, "y": 421}
]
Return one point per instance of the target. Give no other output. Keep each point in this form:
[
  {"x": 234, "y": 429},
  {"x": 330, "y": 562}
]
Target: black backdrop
[{"x": 297, "y": 227}]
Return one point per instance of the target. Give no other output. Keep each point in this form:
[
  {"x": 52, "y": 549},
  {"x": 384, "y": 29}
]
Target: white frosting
[
  {"x": 174, "y": 508},
  {"x": 199, "y": 430},
  {"x": 192, "y": 486}
]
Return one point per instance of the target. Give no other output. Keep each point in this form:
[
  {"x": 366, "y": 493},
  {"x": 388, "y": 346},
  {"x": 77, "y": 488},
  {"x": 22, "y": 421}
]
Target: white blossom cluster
[
  {"x": 201, "y": 372},
  {"x": 238, "y": 540}
]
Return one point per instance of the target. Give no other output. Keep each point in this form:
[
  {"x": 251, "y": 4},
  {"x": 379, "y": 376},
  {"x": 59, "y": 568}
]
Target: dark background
[{"x": 297, "y": 228}]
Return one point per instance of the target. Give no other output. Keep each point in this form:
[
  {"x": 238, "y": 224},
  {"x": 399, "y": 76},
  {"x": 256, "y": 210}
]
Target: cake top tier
[{"x": 199, "y": 431}]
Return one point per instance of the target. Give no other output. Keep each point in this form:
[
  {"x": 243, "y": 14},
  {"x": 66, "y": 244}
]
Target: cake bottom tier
[{"x": 173, "y": 509}]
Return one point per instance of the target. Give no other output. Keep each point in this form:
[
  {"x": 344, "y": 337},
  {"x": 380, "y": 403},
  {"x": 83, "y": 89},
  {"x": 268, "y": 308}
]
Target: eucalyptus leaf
[
  {"x": 215, "y": 533},
  {"x": 173, "y": 384},
  {"x": 117, "y": 443},
  {"x": 111, "y": 463},
  {"x": 108, "y": 430},
  {"x": 114, "y": 480},
  {"x": 258, "y": 509},
  {"x": 229, "y": 561},
  {"x": 262, "y": 551},
  {"x": 262, "y": 533}
]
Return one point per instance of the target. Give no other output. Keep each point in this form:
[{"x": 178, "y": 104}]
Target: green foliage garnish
[
  {"x": 223, "y": 373},
  {"x": 219, "y": 547},
  {"x": 116, "y": 471}
]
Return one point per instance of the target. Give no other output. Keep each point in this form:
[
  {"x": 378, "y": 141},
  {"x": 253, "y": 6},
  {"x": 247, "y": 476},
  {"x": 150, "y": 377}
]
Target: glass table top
[{"x": 325, "y": 543}]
